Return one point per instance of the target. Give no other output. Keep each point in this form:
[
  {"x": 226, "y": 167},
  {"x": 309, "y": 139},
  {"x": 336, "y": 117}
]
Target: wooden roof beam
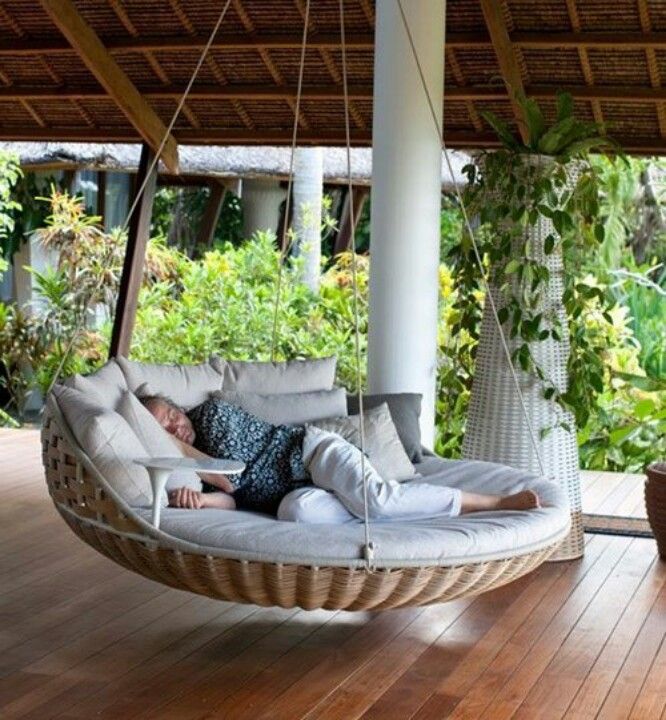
[
  {"x": 119, "y": 87},
  {"x": 356, "y": 41},
  {"x": 454, "y": 138},
  {"x": 506, "y": 58},
  {"x": 626, "y": 93}
]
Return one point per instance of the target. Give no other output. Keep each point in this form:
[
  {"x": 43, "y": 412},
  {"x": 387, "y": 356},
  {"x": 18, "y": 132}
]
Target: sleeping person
[{"x": 302, "y": 473}]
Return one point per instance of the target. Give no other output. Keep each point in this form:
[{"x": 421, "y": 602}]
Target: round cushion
[{"x": 443, "y": 541}]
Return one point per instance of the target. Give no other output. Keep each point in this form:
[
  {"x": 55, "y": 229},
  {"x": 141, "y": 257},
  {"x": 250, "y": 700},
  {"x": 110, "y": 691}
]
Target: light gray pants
[{"x": 337, "y": 496}]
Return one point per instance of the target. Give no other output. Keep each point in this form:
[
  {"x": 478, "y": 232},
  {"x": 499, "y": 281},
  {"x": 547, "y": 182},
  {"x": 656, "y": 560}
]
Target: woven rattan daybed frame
[{"x": 100, "y": 518}]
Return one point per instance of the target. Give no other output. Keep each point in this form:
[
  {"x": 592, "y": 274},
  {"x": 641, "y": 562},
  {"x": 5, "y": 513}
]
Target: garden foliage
[{"x": 223, "y": 303}]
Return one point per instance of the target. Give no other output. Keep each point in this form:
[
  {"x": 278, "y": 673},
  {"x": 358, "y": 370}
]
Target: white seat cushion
[{"x": 445, "y": 541}]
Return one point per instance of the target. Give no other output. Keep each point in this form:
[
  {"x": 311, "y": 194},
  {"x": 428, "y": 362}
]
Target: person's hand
[{"x": 186, "y": 498}]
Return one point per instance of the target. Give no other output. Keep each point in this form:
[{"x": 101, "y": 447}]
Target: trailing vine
[{"x": 509, "y": 193}]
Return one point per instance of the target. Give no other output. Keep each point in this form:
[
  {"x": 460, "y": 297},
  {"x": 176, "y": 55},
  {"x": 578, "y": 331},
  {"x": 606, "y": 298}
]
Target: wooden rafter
[
  {"x": 460, "y": 79},
  {"x": 652, "y": 64},
  {"x": 464, "y": 93},
  {"x": 264, "y": 54},
  {"x": 506, "y": 58},
  {"x": 89, "y": 47},
  {"x": 464, "y": 140},
  {"x": 333, "y": 71},
  {"x": 135, "y": 253},
  {"x": 355, "y": 41},
  {"x": 572, "y": 10}
]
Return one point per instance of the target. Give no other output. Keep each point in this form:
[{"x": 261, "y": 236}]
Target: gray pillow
[
  {"x": 186, "y": 385},
  {"x": 382, "y": 444},
  {"x": 290, "y": 408},
  {"x": 405, "y": 409},
  {"x": 110, "y": 443},
  {"x": 156, "y": 440},
  {"x": 276, "y": 378},
  {"x": 105, "y": 386}
]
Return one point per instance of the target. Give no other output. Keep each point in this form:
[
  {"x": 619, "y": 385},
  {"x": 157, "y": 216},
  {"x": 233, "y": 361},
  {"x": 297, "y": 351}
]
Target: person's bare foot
[{"x": 525, "y": 500}]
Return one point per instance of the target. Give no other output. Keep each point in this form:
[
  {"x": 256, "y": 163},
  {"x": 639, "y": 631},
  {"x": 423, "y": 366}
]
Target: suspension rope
[
  {"x": 369, "y": 549},
  {"x": 139, "y": 193},
  {"x": 285, "y": 242},
  {"x": 477, "y": 254}
]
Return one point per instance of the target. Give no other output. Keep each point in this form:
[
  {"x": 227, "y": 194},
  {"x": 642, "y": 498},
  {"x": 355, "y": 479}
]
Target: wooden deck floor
[
  {"x": 607, "y": 493},
  {"x": 82, "y": 638}
]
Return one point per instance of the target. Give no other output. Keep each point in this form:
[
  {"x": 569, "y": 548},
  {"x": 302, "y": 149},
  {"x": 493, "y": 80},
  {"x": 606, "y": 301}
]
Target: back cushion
[
  {"x": 276, "y": 378},
  {"x": 289, "y": 409},
  {"x": 110, "y": 443},
  {"x": 104, "y": 386},
  {"x": 186, "y": 385},
  {"x": 156, "y": 440},
  {"x": 382, "y": 443},
  {"x": 405, "y": 409}
]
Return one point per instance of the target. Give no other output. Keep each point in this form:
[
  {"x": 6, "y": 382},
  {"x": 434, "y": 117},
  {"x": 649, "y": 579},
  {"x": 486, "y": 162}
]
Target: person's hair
[{"x": 147, "y": 399}]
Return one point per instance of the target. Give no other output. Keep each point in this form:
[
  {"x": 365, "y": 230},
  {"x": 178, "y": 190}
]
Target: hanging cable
[
  {"x": 477, "y": 254},
  {"x": 369, "y": 549},
  {"x": 284, "y": 244},
  {"x": 137, "y": 197}
]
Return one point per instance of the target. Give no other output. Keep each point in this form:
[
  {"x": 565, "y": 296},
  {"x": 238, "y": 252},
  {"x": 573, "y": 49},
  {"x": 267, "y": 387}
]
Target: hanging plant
[{"x": 537, "y": 207}]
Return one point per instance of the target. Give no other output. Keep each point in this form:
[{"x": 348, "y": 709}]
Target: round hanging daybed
[
  {"x": 252, "y": 558},
  {"x": 246, "y": 557}
]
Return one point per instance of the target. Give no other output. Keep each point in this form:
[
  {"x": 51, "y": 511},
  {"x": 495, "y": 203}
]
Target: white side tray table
[{"x": 160, "y": 468}]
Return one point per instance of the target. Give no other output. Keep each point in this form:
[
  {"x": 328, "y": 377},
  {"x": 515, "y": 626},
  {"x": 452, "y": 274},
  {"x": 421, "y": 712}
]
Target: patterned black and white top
[{"x": 273, "y": 454}]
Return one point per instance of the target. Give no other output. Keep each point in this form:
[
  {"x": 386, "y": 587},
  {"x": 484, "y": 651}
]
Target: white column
[
  {"x": 261, "y": 201},
  {"x": 406, "y": 200},
  {"x": 308, "y": 192}
]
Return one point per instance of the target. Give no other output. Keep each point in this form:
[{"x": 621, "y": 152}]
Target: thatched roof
[
  {"x": 203, "y": 161},
  {"x": 113, "y": 70}
]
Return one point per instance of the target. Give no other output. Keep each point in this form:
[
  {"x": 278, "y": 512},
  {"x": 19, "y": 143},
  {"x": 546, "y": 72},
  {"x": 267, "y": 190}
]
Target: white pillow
[
  {"x": 276, "y": 378},
  {"x": 110, "y": 443},
  {"x": 105, "y": 386},
  {"x": 156, "y": 440},
  {"x": 288, "y": 409},
  {"x": 186, "y": 385},
  {"x": 382, "y": 442}
]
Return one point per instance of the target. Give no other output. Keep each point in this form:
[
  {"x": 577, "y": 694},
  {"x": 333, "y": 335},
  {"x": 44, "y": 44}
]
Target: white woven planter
[{"x": 497, "y": 430}]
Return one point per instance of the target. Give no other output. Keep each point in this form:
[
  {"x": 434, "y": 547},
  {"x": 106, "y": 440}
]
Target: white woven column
[
  {"x": 497, "y": 430},
  {"x": 406, "y": 201}
]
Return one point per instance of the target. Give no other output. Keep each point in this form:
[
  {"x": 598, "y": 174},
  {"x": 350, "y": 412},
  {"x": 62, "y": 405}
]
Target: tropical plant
[
  {"x": 511, "y": 191},
  {"x": 10, "y": 173}
]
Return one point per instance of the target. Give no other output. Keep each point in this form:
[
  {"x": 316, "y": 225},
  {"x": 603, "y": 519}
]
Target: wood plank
[
  {"x": 506, "y": 58},
  {"x": 135, "y": 253},
  {"x": 417, "y": 668},
  {"x": 592, "y": 693},
  {"x": 555, "y": 677},
  {"x": 113, "y": 79},
  {"x": 90, "y": 639},
  {"x": 626, "y": 93},
  {"x": 211, "y": 214},
  {"x": 448, "y": 691},
  {"x": 626, "y": 690},
  {"x": 543, "y": 630}
]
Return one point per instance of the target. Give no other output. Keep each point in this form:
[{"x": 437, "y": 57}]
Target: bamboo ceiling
[{"x": 610, "y": 55}]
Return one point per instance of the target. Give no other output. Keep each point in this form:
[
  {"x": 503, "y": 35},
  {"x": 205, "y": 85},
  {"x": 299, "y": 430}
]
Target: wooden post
[
  {"x": 211, "y": 214},
  {"x": 101, "y": 195},
  {"x": 137, "y": 240},
  {"x": 344, "y": 240}
]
